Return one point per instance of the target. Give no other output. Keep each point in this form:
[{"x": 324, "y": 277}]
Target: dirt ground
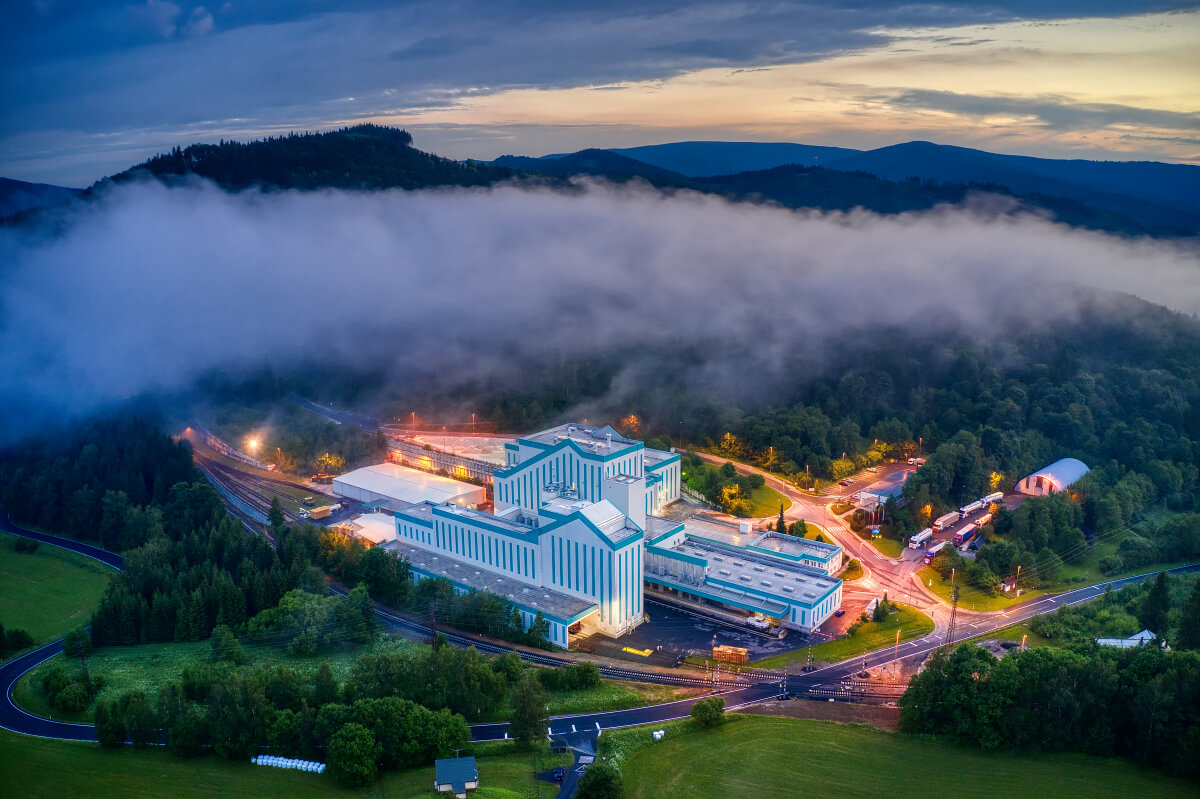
[{"x": 885, "y": 718}]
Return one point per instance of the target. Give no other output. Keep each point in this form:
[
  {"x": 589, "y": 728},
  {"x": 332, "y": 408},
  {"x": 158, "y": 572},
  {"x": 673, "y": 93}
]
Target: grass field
[
  {"x": 35, "y": 768},
  {"x": 888, "y": 547},
  {"x": 151, "y": 666},
  {"x": 911, "y": 623},
  {"x": 852, "y": 571},
  {"x": 752, "y": 756},
  {"x": 50, "y": 591},
  {"x": 765, "y": 501}
]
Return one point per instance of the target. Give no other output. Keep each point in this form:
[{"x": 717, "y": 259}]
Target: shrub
[
  {"x": 1112, "y": 564},
  {"x": 709, "y": 712},
  {"x": 73, "y": 698},
  {"x": 17, "y": 639},
  {"x": 600, "y": 781},
  {"x": 26, "y": 546}
]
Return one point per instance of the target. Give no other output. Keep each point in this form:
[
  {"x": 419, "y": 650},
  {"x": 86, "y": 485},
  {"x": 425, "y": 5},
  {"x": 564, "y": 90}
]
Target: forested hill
[
  {"x": 359, "y": 157},
  {"x": 377, "y": 157}
]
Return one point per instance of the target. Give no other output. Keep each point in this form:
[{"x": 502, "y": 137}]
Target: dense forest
[
  {"x": 1143, "y": 704},
  {"x": 359, "y": 157}
]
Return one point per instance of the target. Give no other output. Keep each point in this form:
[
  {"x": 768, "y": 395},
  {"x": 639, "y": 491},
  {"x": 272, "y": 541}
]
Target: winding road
[{"x": 14, "y": 719}]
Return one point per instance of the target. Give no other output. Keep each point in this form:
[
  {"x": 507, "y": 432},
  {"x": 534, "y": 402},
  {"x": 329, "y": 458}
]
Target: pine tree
[
  {"x": 1156, "y": 605},
  {"x": 781, "y": 525},
  {"x": 1189, "y": 622}
]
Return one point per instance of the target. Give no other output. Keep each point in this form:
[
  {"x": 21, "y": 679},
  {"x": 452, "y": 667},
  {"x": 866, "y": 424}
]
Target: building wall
[
  {"x": 577, "y": 561},
  {"x": 570, "y": 557}
]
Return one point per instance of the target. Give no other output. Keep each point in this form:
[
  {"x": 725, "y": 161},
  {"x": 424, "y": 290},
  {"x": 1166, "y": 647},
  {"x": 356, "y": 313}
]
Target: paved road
[
  {"x": 968, "y": 629},
  {"x": 14, "y": 719}
]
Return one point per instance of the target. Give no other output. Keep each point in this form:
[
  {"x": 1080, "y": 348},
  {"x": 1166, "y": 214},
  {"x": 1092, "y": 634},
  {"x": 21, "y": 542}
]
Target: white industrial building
[
  {"x": 1054, "y": 478},
  {"x": 400, "y": 485},
  {"x": 574, "y": 529}
]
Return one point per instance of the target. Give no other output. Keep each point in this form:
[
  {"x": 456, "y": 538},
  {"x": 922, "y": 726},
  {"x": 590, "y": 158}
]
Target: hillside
[
  {"x": 707, "y": 158},
  {"x": 606, "y": 163},
  {"x": 1155, "y": 194},
  {"x": 360, "y": 157},
  {"x": 17, "y": 196},
  {"x": 827, "y": 189}
]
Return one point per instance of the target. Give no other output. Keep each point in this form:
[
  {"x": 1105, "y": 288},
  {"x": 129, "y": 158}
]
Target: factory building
[
  {"x": 391, "y": 483},
  {"x": 576, "y": 529},
  {"x": 1054, "y": 478}
]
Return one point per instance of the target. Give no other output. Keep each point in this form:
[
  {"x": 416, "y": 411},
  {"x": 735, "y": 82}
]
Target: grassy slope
[
  {"x": 765, "y": 756},
  {"x": 33, "y": 767},
  {"x": 911, "y": 622},
  {"x": 765, "y": 501},
  {"x": 78, "y": 583}
]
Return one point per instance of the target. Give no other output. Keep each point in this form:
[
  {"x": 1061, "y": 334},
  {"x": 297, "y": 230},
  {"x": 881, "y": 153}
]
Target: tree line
[{"x": 1142, "y": 704}]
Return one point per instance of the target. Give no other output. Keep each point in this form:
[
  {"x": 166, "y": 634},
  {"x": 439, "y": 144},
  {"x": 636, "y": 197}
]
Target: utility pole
[{"x": 953, "y": 614}]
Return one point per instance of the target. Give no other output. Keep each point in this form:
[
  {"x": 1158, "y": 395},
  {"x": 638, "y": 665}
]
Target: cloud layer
[{"x": 149, "y": 287}]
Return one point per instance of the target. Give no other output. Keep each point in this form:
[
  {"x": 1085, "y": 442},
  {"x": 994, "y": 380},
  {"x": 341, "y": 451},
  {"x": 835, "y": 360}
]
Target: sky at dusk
[{"x": 91, "y": 88}]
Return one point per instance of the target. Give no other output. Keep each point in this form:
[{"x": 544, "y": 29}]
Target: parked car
[
  {"x": 844, "y": 482},
  {"x": 840, "y": 612}
]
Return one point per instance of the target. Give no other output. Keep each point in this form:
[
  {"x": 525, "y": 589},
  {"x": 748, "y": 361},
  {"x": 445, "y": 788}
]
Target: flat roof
[
  {"x": 375, "y": 527},
  {"x": 407, "y": 485},
  {"x": 533, "y": 598},
  {"x": 593, "y": 439},
  {"x": 656, "y": 526},
  {"x": 486, "y": 518},
  {"x": 888, "y": 487},
  {"x": 793, "y": 545},
  {"x": 759, "y": 571},
  {"x": 719, "y": 531},
  {"x": 655, "y": 456}
]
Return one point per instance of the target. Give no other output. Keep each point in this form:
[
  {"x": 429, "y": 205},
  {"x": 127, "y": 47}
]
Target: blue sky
[{"x": 90, "y": 88}]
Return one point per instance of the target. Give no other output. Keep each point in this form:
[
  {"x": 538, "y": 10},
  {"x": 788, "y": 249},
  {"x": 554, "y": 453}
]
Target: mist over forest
[{"x": 149, "y": 287}]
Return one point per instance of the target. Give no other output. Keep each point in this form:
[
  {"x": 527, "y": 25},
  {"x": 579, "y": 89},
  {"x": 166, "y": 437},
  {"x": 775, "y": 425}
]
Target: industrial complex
[{"x": 577, "y": 535}]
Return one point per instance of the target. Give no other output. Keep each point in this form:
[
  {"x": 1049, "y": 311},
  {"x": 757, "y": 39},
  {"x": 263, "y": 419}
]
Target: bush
[
  {"x": 1112, "y": 564},
  {"x": 53, "y": 683},
  {"x": 110, "y": 729},
  {"x": 17, "y": 639},
  {"x": 600, "y": 781},
  {"x": 709, "y": 712},
  {"x": 73, "y": 698},
  {"x": 26, "y": 546},
  {"x": 352, "y": 755}
]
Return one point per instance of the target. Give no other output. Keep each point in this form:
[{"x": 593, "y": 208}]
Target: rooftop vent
[
  {"x": 725, "y": 572},
  {"x": 767, "y": 583},
  {"x": 745, "y": 577},
  {"x": 789, "y": 589}
]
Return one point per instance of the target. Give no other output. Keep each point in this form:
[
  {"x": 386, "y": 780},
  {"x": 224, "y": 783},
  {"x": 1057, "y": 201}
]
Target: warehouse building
[
  {"x": 391, "y": 483},
  {"x": 1054, "y": 478},
  {"x": 572, "y": 534}
]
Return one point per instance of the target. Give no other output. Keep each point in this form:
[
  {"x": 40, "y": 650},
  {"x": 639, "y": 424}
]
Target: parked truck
[
  {"x": 964, "y": 535},
  {"x": 974, "y": 507},
  {"x": 996, "y": 497},
  {"x": 933, "y": 551},
  {"x": 942, "y": 522},
  {"x": 920, "y": 538},
  {"x": 321, "y": 512},
  {"x": 983, "y": 520}
]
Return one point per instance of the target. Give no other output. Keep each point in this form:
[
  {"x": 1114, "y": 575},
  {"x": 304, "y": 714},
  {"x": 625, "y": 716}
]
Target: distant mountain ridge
[
  {"x": 708, "y": 158},
  {"x": 17, "y": 195},
  {"x": 1153, "y": 195}
]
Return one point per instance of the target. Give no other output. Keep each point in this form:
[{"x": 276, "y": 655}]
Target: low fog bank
[{"x": 150, "y": 287}]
